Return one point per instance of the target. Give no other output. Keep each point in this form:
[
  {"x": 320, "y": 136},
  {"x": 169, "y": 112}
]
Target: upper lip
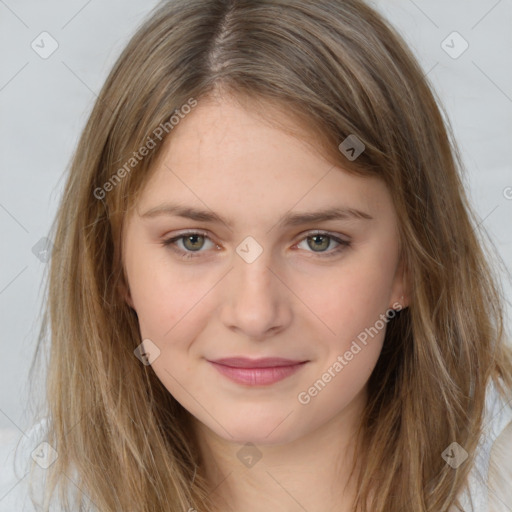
[{"x": 264, "y": 362}]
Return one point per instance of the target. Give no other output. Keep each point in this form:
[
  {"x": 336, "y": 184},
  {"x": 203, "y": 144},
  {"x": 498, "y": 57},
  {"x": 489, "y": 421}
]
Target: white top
[
  {"x": 491, "y": 491},
  {"x": 15, "y": 463}
]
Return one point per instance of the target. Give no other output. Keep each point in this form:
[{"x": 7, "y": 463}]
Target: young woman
[{"x": 268, "y": 292}]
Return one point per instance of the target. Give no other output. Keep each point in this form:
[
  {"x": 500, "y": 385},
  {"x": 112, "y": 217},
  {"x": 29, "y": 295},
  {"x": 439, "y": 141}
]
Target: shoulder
[
  {"x": 496, "y": 459},
  {"x": 500, "y": 472},
  {"x": 489, "y": 486}
]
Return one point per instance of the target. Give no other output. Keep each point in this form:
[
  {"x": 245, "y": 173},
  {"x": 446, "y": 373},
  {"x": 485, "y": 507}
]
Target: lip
[{"x": 256, "y": 372}]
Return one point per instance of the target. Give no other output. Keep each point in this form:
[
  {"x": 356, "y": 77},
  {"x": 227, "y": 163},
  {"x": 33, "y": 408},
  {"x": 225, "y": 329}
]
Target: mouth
[{"x": 257, "y": 372}]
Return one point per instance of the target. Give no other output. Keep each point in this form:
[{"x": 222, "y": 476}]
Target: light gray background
[{"x": 44, "y": 104}]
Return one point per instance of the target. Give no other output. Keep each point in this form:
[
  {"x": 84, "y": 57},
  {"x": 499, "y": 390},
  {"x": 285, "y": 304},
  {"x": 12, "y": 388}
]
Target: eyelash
[{"x": 187, "y": 255}]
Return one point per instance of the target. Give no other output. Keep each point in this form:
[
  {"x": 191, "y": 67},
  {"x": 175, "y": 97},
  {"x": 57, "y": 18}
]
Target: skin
[{"x": 289, "y": 302}]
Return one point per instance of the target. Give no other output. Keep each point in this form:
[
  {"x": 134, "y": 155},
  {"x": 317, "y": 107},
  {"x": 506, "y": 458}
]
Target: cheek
[
  {"x": 163, "y": 295},
  {"x": 166, "y": 310},
  {"x": 354, "y": 309},
  {"x": 354, "y": 296}
]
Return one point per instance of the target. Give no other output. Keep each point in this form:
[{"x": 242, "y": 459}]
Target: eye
[
  {"x": 322, "y": 240},
  {"x": 193, "y": 241}
]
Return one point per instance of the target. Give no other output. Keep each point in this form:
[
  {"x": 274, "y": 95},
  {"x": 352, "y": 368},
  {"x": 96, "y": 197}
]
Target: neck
[{"x": 311, "y": 472}]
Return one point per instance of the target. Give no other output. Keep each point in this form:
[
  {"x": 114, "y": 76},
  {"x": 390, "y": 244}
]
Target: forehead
[
  {"x": 225, "y": 128},
  {"x": 240, "y": 157}
]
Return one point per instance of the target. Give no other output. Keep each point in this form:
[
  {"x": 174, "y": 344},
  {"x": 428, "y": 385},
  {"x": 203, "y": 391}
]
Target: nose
[{"x": 256, "y": 301}]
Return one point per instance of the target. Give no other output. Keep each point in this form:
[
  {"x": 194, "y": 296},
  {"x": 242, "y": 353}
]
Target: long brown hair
[{"x": 341, "y": 69}]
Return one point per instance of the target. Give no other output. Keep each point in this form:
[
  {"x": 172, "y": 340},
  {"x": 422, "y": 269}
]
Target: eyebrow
[{"x": 288, "y": 220}]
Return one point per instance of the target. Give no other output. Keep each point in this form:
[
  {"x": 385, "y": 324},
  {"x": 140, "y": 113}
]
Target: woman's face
[{"x": 261, "y": 283}]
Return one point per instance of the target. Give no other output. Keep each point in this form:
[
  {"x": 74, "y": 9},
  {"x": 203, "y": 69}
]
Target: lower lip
[{"x": 257, "y": 376}]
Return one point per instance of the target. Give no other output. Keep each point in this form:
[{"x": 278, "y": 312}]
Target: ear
[{"x": 400, "y": 292}]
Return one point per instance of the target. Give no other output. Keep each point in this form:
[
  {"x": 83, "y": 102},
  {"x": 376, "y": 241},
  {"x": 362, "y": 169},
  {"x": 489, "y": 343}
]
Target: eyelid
[
  {"x": 186, "y": 232},
  {"x": 313, "y": 232},
  {"x": 169, "y": 240},
  {"x": 337, "y": 237}
]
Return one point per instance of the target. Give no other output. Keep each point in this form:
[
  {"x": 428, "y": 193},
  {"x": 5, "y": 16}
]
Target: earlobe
[
  {"x": 400, "y": 304},
  {"x": 400, "y": 288}
]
